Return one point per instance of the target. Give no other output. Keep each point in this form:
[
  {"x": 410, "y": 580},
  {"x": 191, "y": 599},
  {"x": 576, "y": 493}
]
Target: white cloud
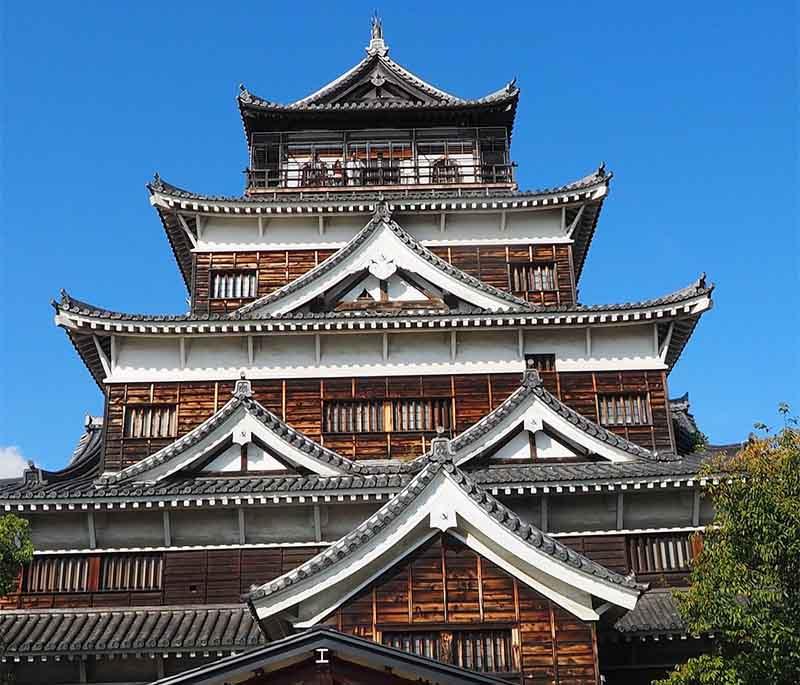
[{"x": 12, "y": 463}]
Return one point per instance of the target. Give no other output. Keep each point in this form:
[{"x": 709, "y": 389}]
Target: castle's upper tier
[{"x": 379, "y": 125}]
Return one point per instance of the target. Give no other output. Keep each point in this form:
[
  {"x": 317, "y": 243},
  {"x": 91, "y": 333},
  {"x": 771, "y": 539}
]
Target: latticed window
[
  {"x": 379, "y": 416},
  {"x": 624, "y": 409},
  {"x": 364, "y": 416},
  {"x": 233, "y": 284},
  {"x": 541, "y": 362},
  {"x": 57, "y": 574},
  {"x": 421, "y": 415},
  {"x": 660, "y": 553},
  {"x": 532, "y": 276},
  {"x": 150, "y": 421},
  {"x": 485, "y": 651},
  {"x": 131, "y": 572}
]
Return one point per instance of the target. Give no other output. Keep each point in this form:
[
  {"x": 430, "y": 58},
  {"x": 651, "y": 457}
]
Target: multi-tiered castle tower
[{"x": 386, "y": 442}]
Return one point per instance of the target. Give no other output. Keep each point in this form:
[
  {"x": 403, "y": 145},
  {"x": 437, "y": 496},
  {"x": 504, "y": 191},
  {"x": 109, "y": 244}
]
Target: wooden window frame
[
  {"x": 389, "y": 408},
  {"x": 444, "y": 645},
  {"x": 549, "y": 263},
  {"x": 173, "y": 433},
  {"x": 643, "y": 397},
  {"x": 215, "y": 271}
]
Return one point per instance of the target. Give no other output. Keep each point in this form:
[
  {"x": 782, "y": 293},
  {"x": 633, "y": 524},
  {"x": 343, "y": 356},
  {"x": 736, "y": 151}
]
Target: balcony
[{"x": 429, "y": 158}]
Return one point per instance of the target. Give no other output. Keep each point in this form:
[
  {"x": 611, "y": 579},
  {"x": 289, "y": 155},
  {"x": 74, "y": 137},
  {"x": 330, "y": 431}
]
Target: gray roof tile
[{"x": 151, "y": 629}]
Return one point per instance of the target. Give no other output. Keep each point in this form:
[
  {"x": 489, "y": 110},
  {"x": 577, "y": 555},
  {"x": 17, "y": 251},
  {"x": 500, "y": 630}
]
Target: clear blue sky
[{"x": 692, "y": 105}]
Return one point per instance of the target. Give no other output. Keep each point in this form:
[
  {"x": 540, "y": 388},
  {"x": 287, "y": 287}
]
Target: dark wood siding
[
  {"x": 299, "y": 402},
  {"x": 276, "y": 268},
  {"x": 446, "y": 587}
]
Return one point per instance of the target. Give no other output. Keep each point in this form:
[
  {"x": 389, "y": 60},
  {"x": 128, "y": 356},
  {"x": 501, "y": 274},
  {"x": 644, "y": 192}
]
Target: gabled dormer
[{"x": 378, "y": 125}]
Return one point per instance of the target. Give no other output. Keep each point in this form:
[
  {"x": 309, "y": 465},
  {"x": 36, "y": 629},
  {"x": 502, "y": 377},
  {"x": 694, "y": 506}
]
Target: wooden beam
[
  {"x": 92, "y": 530},
  {"x": 667, "y": 339},
  {"x": 575, "y": 221},
  {"x": 187, "y": 230},
  {"x": 199, "y": 222},
  {"x": 321, "y": 220},
  {"x": 385, "y": 351},
  {"x": 620, "y": 510},
  {"x": 103, "y": 359},
  {"x": 251, "y": 355},
  {"x": 502, "y": 221},
  {"x": 262, "y": 225},
  {"x": 521, "y": 343},
  {"x": 588, "y": 342},
  {"x": 317, "y": 349},
  {"x": 543, "y": 513},
  {"x": 167, "y": 529},
  {"x": 240, "y": 513},
  {"x": 442, "y": 222},
  {"x": 453, "y": 345},
  {"x": 696, "y": 507},
  {"x": 182, "y": 344},
  {"x": 317, "y": 524},
  {"x": 114, "y": 355}
]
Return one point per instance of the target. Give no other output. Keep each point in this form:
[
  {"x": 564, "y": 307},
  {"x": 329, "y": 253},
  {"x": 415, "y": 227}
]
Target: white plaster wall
[
  {"x": 279, "y": 524},
  {"x": 204, "y": 527},
  {"x": 519, "y": 447},
  {"x": 301, "y": 231},
  {"x": 547, "y": 448},
  {"x": 653, "y": 509},
  {"x": 220, "y": 352},
  {"x": 116, "y": 529},
  {"x": 588, "y": 512},
  {"x": 64, "y": 530},
  {"x": 154, "y": 354}
]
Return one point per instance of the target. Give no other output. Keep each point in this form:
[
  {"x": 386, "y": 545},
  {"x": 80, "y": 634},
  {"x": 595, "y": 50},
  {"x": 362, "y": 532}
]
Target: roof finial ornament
[
  {"x": 601, "y": 170},
  {"x": 382, "y": 211},
  {"x": 243, "y": 388},
  {"x": 376, "y": 45}
]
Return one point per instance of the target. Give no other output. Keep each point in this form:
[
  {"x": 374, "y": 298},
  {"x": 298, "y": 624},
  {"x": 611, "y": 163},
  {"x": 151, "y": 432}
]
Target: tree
[
  {"x": 745, "y": 584},
  {"x": 16, "y": 549}
]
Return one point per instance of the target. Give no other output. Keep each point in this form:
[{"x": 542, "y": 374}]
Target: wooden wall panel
[
  {"x": 299, "y": 402},
  {"x": 444, "y": 586},
  {"x": 276, "y": 268}
]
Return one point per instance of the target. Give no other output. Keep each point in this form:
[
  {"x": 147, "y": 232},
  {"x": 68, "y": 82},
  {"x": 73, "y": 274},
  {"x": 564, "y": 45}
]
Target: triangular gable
[
  {"x": 325, "y": 655},
  {"x": 241, "y": 422},
  {"x": 551, "y": 424},
  {"x": 441, "y": 498},
  {"x": 382, "y": 248}
]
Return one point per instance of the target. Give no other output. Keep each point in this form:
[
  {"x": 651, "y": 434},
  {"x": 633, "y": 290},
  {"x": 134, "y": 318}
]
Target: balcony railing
[
  {"x": 377, "y": 158},
  {"x": 340, "y": 174}
]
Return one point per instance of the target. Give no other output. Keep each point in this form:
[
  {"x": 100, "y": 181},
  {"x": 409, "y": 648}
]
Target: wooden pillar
[{"x": 167, "y": 530}]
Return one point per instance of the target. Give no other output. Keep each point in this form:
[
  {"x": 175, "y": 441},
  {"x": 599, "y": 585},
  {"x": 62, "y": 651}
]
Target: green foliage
[
  {"x": 746, "y": 582},
  {"x": 16, "y": 549}
]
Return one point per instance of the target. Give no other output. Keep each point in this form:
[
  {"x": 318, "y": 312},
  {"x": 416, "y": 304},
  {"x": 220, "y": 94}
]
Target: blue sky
[{"x": 692, "y": 105}]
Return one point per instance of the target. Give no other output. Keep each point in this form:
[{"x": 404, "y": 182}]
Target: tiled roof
[
  {"x": 242, "y": 397},
  {"x": 656, "y": 613},
  {"x": 440, "y": 459},
  {"x": 532, "y": 386},
  {"x": 381, "y": 660},
  {"x": 136, "y": 630},
  {"x": 393, "y": 197},
  {"x": 69, "y": 304},
  {"x": 381, "y": 217}
]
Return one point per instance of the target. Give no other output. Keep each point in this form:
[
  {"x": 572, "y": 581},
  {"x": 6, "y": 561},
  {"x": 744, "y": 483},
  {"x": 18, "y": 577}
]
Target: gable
[
  {"x": 383, "y": 249},
  {"x": 377, "y": 83},
  {"x": 262, "y": 439},
  {"x": 440, "y": 498},
  {"x": 444, "y": 597}
]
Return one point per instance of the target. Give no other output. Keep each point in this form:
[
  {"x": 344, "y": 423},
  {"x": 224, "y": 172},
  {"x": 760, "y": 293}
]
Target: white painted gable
[
  {"x": 398, "y": 290},
  {"x": 442, "y": 506},
  {"x": 381, "y": 254},
  {"x": 257, "y": 459}
]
